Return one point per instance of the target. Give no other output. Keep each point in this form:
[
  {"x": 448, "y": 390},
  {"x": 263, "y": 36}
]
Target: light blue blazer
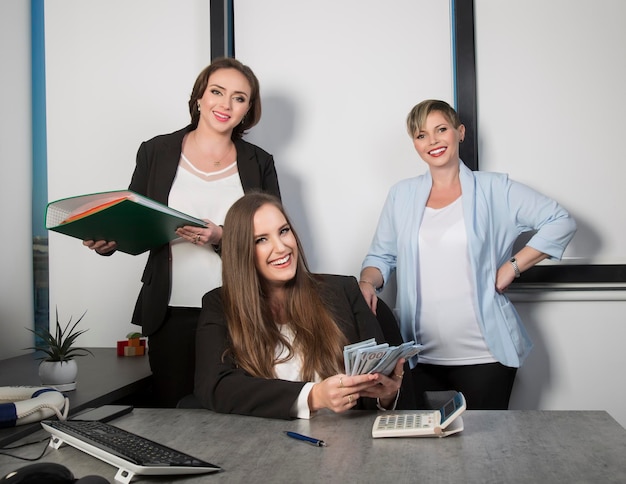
[{"x": 496, "y": 211}]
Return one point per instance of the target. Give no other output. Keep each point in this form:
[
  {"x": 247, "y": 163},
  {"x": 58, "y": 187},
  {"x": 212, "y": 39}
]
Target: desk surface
[
  {"x": 102, "y": 378},
  {"x": 496, "y": 446}
]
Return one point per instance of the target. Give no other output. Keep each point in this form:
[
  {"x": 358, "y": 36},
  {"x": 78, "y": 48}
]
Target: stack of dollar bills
[{"x": 369, "y": 357}]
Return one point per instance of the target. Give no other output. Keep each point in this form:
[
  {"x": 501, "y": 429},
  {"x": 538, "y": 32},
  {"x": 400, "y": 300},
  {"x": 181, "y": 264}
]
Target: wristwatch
[{"x": 513, "y": 262}]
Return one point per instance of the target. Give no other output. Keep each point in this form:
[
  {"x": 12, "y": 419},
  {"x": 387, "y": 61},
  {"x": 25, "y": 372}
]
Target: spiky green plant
[{"x": 59, "y": 347}]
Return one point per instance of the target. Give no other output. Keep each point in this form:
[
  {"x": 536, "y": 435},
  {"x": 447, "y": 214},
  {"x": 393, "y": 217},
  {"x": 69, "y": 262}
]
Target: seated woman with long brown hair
[{"x": 270, "y": 340}]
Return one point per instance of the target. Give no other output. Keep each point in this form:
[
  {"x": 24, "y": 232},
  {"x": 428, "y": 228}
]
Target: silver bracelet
[
  {"x": 513, "y": 262},
  {"x": 393, "y": 407}
]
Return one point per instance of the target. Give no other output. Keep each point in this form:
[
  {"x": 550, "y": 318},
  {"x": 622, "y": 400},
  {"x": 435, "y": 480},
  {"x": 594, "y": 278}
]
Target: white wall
[
  {"x": 578, "y": 360},
  {"x": 16, "y": 243},
  {"x": 117, "y": 73},
  {"x": 551, "y": 101},
  {"x": 338, "y": 80}
]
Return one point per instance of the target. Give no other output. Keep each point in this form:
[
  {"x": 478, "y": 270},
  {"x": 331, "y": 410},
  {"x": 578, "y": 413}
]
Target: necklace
[
  {"x": 217, "y": 163},
  {"x": 206, "y": 173}
]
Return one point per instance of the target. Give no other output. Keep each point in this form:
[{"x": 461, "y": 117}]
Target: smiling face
[
  {"x": 276, "y": 249},
  {"x": 225, "y": 101},
  {"x": 437, "y": 141}
]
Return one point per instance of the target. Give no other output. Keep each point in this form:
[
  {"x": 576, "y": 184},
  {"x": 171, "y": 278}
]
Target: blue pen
[{"x": 304, "y": 438}]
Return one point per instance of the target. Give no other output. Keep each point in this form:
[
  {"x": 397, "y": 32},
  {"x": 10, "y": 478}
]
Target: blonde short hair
[{"x": 417, "y": 117}]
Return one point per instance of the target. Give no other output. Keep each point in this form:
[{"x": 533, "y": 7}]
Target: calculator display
[{"x": 448, "y": 409}]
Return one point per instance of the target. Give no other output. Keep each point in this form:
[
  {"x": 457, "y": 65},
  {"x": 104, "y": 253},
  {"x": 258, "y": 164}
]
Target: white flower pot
[{"x": 59, "y": 374}]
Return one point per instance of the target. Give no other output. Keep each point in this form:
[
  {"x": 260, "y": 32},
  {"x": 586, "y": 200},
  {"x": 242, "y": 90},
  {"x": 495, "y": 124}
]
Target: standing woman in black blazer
[
  {"x": 201, "y": 170},
  {"x": 270, "y": 341}
]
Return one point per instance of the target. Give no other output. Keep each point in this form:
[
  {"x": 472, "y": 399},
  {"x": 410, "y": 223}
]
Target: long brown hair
[
  {"x": 252, "y": 328},
  {"x": 253, "y": 115}
]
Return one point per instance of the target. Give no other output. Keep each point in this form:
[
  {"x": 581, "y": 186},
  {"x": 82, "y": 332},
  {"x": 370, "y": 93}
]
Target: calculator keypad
[{"x": 405, "y": 424}]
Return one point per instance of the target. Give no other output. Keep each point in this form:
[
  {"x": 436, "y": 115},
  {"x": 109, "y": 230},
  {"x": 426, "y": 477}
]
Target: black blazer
[
  {"x": 223, "y": 387},
  {"x": 157, "y": 161}
]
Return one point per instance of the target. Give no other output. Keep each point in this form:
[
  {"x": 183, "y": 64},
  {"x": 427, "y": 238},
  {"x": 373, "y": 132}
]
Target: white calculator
[{"x": 430, "y": 423}]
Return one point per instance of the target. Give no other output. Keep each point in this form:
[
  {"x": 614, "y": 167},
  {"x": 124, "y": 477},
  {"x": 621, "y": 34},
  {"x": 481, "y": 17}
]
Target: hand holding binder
[{"x": 136, "y": 223}]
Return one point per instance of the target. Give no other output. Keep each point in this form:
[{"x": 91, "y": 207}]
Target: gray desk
[
  {"x": 495, "y": 447},
  {"x": 102, "y": 378}
]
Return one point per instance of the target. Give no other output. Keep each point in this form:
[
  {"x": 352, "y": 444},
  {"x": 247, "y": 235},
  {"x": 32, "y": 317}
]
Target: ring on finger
[
  {"x": 197, "y": 238},
  {"x": 340, "y": 382},
  {"x": 398, "y": 376},
  {"x": 350, "y": 399}
]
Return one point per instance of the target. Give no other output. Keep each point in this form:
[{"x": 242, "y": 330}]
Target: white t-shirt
[
  {"x": 292, "y": 370},
  {"x": 447, "y": 324},
  {"x": 198, "y": 269}
]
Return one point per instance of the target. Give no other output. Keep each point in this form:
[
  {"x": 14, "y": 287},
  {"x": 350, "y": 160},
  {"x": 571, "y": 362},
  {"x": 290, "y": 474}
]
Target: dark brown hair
[{"x": 253, "y": 115}]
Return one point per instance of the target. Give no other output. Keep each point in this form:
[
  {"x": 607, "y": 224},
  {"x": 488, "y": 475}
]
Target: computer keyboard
[{"x": 129, "y": 452}]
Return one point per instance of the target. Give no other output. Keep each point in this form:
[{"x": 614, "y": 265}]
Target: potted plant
[{"x": 58, "y": 368}]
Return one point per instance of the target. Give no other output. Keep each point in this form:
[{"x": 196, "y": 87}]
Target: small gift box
[{"x": 135, "y": 345}]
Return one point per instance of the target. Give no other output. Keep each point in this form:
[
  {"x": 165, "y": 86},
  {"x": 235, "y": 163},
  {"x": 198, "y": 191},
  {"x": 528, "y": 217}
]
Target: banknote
[
  {"x": 369, "y": 357},
  {"x": 349, "y": 353},
  {"x": 387, "y": 364}
]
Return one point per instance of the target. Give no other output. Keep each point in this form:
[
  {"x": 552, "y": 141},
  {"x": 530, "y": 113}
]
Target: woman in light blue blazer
[{"x": 449, "y": 235}]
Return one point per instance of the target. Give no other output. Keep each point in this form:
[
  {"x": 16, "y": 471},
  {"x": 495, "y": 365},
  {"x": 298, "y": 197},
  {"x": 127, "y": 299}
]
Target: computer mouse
[
  {"x": 92, "y": 480},
  {"x": 48, "y": 473},
  {"x": 39, "y": 473}
]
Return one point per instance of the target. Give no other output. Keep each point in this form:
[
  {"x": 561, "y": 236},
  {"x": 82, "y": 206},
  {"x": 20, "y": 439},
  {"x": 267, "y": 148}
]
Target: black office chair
[
  {"x": 189, "y": 401},
  {"x": 389, "y": 325}
]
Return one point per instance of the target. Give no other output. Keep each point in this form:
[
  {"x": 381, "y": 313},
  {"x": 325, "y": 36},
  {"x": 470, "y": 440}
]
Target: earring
[
  {"x": 243, "y": 119},
  {"x": 198, "y": 104}
]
